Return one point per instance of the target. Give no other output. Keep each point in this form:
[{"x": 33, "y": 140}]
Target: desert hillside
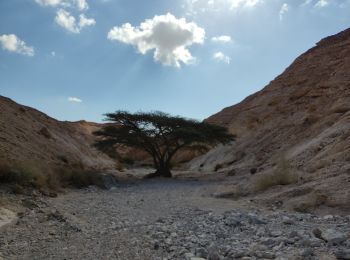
[
  {"x": 302, "y": 119},
  {"x": 31, "y": 138}
]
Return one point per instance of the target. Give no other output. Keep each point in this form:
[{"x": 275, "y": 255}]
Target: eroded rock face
[
  {"x": 302, "y": 116},
  {"x": 32, "y": 138}
]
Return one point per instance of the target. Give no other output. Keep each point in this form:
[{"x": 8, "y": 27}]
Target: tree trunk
[{"x": 162, "y": 170}]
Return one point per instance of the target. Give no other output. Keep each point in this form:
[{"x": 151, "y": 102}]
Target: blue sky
[{"x": 76, "y": 59}]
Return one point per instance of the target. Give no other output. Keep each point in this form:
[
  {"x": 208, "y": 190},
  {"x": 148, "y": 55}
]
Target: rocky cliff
[
  {"x": 29, "y": 137},
  {"x": 301, "y": 118}
]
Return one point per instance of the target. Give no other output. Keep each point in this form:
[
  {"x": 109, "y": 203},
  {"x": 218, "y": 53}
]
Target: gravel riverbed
[{"x": 167, "y": 219}]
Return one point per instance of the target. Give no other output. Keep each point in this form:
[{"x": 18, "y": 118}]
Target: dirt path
[{"x": 156, "y": 219}]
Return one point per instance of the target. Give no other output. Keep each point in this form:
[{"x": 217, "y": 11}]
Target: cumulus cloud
[
  {"x": 219, "y": 56},
  {"x": 321, "y": 3},
  {"x": 69, "y": 22},
  {"x": 284, "y": 9},
  {"x": 168, "y": 36},
  {"x": 12, "y": 43},
  {"x": 75, "y": 100},
  {"x": 222, "y": 39},
  {"x": 79, "y": 4}
]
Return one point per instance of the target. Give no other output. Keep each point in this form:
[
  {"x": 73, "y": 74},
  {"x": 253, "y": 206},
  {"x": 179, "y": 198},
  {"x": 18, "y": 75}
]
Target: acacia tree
[{"x": 159, "y": 134}]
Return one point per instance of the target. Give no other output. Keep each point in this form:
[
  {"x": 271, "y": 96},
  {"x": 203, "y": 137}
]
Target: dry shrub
[
  {"x": 311, "y": 201},
  {"x": 281, "y": 176},
  {"x": 80, "y": 178},
  {"x": 46, "y": 178},
  {"x": 17, "y": 175}
]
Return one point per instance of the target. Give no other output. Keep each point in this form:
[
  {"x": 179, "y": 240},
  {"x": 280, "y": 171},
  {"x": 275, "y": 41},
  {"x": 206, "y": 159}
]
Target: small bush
[
  {"x": 311, "y": 201},
  {"x": 80, "y": 179},
  {"x": 18, "y": 176},
  {"x": 281, "y": 176},
  {"x": 26, "y": 175}
]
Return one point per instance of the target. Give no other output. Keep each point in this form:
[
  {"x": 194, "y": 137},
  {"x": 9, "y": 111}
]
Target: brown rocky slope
[
  {"x": 302, "y": 118},
  {"x": 30, "y": 138}
]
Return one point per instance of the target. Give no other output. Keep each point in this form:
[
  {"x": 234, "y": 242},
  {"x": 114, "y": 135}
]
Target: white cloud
[
  {"x": 322, "y": 3},
  {"x": 222, "y": 39},
  {"x": 306, "y": 2},
  {"x": 168, "y": 36},
  {"x": 75, "y": 100},
  {"x": 244, "y": 3},
  {"x": 68, "y": 21},
  {"x": 12, "y": 43},
  {"x": 193, "y": 7},
  {"x": 53, "y": 54},
  {"x": 84, "y": 21},
  {"x": 79, "y": 4},
  {"x": 51, "y": 2},
  {"x": 284, "y": 9},
  {"x": 82, "y": 4},
  {"x": 219, "y": 56}
]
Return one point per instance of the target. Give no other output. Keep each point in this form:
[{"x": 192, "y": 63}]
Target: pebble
[{"x": 101, "y": 228}]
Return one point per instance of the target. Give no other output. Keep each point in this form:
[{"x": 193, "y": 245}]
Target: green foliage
[{"x": 159, "y": 134}]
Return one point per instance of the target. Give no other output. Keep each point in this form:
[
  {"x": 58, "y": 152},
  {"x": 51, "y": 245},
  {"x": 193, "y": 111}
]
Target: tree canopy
[{"x": 159, "y": 134}]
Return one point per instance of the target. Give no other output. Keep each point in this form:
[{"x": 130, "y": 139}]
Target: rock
[
  {"x": 265, "y": 255},
  {"x": 156, "y": 245},
  {"x": 328, "y": 217},
  {"x": 269, "y": 242},
  {"x": 333, "y": 236},
  {"x": 276, "y": 233},
  {"x": 343, "y": 254},
  {"x": 108, "y": 181},
  {"x": 201, "y": 252},
  {"x": 232, "y": 222},
  {"x": 253, "y": 170},
  {"x": 255, "y": 220},
  {"x": 213, "y": 252},
  {"x": 287, "y": 221},
  {"x": 238, "y": 254},
  {"x": 6, "y": 217},
  {"x": 197, "y": 258},
  {"x": 306, "y": 253},
  {"x": 261, "y": 231},
  {"x": 317, "y": 232},
  {"x": 294, "y": 234},
  {"x": 311, "y": 242},
  {"x": 189, "y": 256}
]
